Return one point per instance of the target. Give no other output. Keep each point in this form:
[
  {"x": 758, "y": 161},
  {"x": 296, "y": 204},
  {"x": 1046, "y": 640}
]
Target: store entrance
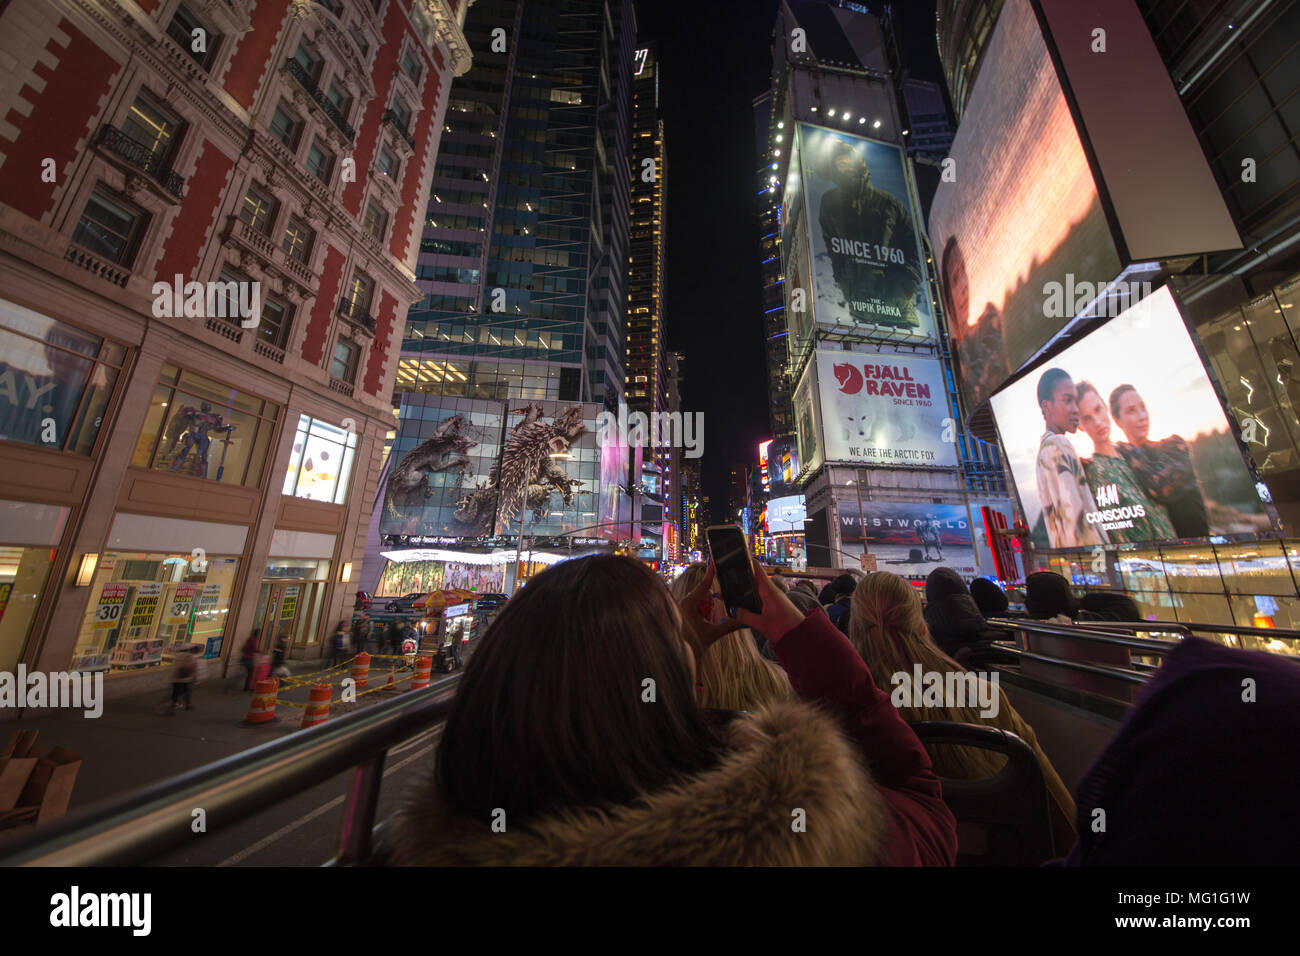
[{"x": 288, "y": 608}]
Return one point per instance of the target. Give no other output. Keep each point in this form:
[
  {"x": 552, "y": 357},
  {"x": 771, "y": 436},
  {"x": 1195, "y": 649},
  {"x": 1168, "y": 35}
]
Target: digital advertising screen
[
  {"x": 908, "y": 538},
  {"x": 1002, "y": 231},
  {"x": 885, "y": 409},
  {"x": 1121, "y": 438},
  {"x": 786, "y": 514},
  {"x": 867, "y": 266}
]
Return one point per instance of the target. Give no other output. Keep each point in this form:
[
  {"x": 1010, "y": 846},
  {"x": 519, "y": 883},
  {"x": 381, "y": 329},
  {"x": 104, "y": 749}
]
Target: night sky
[{"x": 714, "y": 58}]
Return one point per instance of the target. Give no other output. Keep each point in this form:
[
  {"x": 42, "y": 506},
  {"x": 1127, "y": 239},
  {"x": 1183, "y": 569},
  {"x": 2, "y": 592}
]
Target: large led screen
[
  {"x": 867, "y": 267},
  {"x": 1121, "y": 439},
  {"x": 885, "y": 409},
  {"x": 1017, "y": 210},
  {"x": 910, "y": 539}
]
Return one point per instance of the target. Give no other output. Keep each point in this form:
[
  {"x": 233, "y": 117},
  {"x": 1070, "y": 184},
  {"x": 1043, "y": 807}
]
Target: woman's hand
[
  {"x": 779, "y": 615},
  {"x": 697, "y": 611}
]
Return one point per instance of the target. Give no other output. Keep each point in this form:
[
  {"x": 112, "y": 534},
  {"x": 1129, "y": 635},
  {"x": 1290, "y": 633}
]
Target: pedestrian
[
  {"x": 278, "y": 667},
  {"x": 340, "y": 645},
  {"x": 184, "y": 675},
  {"x": 1048, "y": 598},
  {"x": 841, "y": 597},
  {"x": 248, "y": 659},
  {"x": 392, "y": 642}
]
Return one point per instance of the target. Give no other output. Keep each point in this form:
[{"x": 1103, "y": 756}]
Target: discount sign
[
  {"x": 112, "y": 599},
  {"x": 182, "y": 602},
  {"x": 145, "y": 608}
]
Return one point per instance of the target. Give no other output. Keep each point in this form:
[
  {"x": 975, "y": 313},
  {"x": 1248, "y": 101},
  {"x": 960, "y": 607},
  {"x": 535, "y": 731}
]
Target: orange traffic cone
[
  {"x": 423, "y": 668},
  {"x": 361, "y": 670},
  {"x": 261, "y": 709},
  {"x": 318, "y": 706},
  {"x": 389, "y": 687}
]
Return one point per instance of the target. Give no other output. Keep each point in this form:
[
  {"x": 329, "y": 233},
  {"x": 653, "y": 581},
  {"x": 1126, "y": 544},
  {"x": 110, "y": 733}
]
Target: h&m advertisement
[
  {"x": 866, "y": 257},
  {"x": 885, "y": 409},
  {"x": 1121, "y": 439},
  {"x": 1003, "y": 230},
  {"x": 466, "y": 468},
  {"x": 907, "y": 538}
]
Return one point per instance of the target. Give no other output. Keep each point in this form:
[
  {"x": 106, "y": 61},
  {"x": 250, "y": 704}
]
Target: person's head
[
  {"x": 886, "y": 619},
  {"x": 803, "y": 599},
  {"x": 942, "y": 582},
  {"x": 843, "y": 586},
  {"x": 1047, "y": 594},
  {"x": 807, "y": 587},
  {"x": 781, "y": 584},
  {"x": 826, "y": 595},
  {"x": 1093, "y": 418},
  {"x": 1110, "y": 606},
  {"x": 989, "y": 598},
  {"x": 845, "y": 166},
  {"x": 1130, "y": 413},
  {"x": 956, "y": 288},
  {"x": 1057, "y": 402},
  {"x": 551, "y": 711}
]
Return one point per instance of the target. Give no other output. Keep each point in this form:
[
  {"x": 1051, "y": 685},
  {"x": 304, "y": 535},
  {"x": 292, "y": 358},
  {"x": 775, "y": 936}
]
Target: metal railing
[
  {"x": 139, "y": 827},
  {"x": 358, "y": 316},
  {"x": 399, "y": 124},
  {"x": 137, "y": 154},
  {"x": 299, "y": 73}
]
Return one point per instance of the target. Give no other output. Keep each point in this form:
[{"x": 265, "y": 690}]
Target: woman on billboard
[
  {"x": 1107, "y": 467},
  {"x": 1163, "y": 468}
]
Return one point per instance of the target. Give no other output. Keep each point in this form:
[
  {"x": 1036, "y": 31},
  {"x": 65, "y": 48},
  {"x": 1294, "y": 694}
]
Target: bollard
[
  {"x": 361, "y": 670},
  {"x": 318, "y": 706},
  {"x": 423, "y": 670},
  {"x": 261, "y": 709}
]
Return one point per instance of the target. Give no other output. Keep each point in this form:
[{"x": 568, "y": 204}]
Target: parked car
[
  {"x": 489, "y": 602},
  {"x": 364, "y": 599},
  {"x": 405, "y": 603}
]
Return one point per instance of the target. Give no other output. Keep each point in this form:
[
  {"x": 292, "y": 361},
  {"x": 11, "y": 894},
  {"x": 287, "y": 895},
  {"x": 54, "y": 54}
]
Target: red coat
[{"x": 822, "y": 665}]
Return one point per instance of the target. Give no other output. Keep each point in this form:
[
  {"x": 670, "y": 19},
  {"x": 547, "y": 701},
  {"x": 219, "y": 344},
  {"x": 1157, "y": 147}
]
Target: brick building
[{"x": 210, "y": 214}]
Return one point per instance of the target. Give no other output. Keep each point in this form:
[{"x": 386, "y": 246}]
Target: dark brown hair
[{"x": 550, "y": 712}]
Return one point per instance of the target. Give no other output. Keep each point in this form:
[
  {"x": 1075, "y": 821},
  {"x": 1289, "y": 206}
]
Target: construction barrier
[
  {"x": 423, "y": 672},
  {"x": 318, "y": 706},
  {"x": 261, "y": 709},
  {"x": 361, "y": 670}
]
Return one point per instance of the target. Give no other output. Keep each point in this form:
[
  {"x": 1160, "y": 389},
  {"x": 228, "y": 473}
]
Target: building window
[
  {"x": 192, "y": 36},
  {"x": 57, "y": 381},
  {"x": 110, "y": 228},
  {"x": 309, "y": 61},
  {"x": 359, "y": 294},
  {"x": 320, "y": 162},
  {"x": 376, "y": 221},
  {"x": 387, "y": 162},
  {"x": 276, "y": 319},
  {"x": 298, "y": 240},
  {"x": 152, "y": 127},
  {"x": 320, "y": 464},
  {"x": 339, "y": 98},
  {"x": 206, "y": 429},
  {"x": 402, "y": 113},
  {"x": 285, "y": 127},
  {"x": 411, "y": 65},
  {"x": 344, "y": 364},
  {"x": 258, "y": 210},
  {"x": 228, "y": 303}
]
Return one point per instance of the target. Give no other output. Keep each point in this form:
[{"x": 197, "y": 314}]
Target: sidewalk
[{"x": 129, "y": 746}]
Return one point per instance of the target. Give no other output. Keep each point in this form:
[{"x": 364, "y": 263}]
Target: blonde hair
[
  {"x": 734, "y": 675},
  {"x": 887, "y": 627}
]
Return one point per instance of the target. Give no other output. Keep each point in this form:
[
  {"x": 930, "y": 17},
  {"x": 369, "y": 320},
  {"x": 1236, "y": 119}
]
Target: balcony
[
  {"x": 267, "y": 350},
  {"x": 225, "y": 328},
  {"x": 295, "y": 69},
  {"x": 137, "y": 155},
  {"x": 397, "y": 124},
  {"x": 96, "y": 266},
  {"x": 357, "y": 317},
  {"x": 343, "y": 388}
]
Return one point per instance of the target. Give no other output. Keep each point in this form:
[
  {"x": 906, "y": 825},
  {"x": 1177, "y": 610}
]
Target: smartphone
[{"x": 735, "y": 574}]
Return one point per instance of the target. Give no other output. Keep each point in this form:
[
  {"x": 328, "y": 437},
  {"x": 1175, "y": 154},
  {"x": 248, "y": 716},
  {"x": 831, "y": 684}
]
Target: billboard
[
  {"x": 808, "y": 419},
  {"x": 467, "y": 468},
  {"x": 1129, "y": 442},
  {"x": 1003, "y": 230},
  {"x": 908, "y": 538},
  {"x": 867, "y": 267},
  {"x": 786, "y": 514},
  {"x": 885, "y": 409}
]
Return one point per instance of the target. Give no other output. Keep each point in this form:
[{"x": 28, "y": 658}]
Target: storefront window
[
  {"x": 320, "y": 464},
  {"x": 22, "y": 577},
  {"x": 301, "y": 569},
  {"x": 200, "y": 427},
  {"x": 55, "y": 381},
  {"x": 144, "y": 607}
]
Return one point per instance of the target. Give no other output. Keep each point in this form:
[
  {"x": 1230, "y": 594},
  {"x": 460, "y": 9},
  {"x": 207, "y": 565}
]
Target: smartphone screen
[{"x": 735, "y": 573}]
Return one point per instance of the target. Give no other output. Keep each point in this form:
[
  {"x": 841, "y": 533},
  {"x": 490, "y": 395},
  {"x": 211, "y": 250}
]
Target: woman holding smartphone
[{"x": 576, "y": 738}]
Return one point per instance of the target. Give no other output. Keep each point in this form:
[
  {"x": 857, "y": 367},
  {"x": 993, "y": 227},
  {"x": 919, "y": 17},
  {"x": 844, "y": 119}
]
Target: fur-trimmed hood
[{"x": 784, "y": 757}]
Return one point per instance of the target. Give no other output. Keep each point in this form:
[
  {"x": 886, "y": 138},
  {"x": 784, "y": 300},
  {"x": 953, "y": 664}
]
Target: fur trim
[{"x": 786, "y": 756}]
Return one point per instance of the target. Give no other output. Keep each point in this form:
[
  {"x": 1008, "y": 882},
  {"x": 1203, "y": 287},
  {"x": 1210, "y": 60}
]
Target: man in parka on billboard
[{"x": 869, "y": 237}]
